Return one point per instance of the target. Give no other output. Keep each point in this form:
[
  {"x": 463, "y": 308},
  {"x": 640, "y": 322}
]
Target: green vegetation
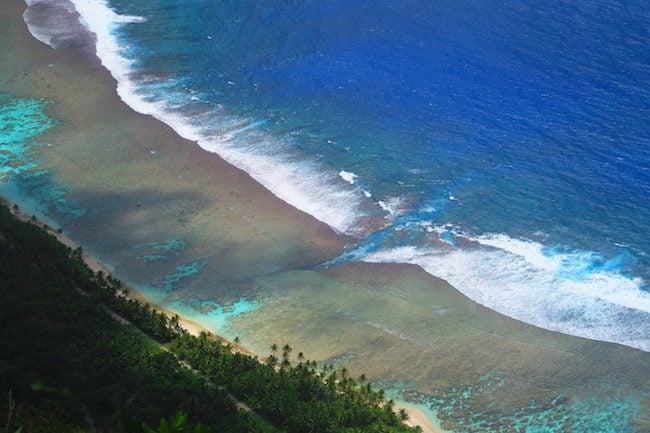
[{"x": 67, "y": 365}]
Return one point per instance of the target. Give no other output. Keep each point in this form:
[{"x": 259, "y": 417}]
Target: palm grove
[{"x": 67, "y": 364}]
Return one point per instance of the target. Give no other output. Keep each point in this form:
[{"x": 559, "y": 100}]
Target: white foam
[
  {"x": 395, "y": 206},
  {"x": 562, "y": 292},
  {"x": 347, "y": 176},
  {"x": 576, "y": 268},
  {"x": 305, "y": 185}
]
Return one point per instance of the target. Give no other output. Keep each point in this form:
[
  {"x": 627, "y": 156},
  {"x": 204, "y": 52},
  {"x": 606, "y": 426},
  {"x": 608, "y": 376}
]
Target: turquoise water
[
  {"x": 22, "y": 121},
  {"x": 463, "y": 408},
  {"x": 185, "y": 270},
  {"x": 213, "y": 316}
]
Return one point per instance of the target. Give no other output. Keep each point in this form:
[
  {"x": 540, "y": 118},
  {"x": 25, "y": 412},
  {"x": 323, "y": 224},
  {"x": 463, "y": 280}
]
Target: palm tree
[
  {"x": 403, "y": 416},
  {"x": 236, "y": 341},
  {"x": 203, "y": 338},
  {"x": 174, "y": 323},
  {"x": 286, "y": 350},
  {"x": 390, "y": 404},
  {"x": 274, "y": 348}
]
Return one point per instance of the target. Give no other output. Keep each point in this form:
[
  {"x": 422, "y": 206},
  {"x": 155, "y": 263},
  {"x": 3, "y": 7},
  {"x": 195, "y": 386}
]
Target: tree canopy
[{"x": 67, "y": 365}]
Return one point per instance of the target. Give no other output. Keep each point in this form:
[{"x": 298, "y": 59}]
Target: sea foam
[
  {"x": 348, "y": 176},
  {"x": 303, "y": 184},
  {"x": 578, "y": 293}
]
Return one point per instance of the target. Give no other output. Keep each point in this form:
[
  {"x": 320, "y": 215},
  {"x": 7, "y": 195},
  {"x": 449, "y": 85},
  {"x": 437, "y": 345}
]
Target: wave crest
[{"x": 577, "y": 293}]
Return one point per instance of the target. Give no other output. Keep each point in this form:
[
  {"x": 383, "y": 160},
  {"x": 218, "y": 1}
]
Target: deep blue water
[{"x": 504, "y": 146}]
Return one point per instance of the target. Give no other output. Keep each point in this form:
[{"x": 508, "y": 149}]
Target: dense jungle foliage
[{"x": 68, "y": 364}]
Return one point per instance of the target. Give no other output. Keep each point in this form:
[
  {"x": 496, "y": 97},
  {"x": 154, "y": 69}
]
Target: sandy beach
[
  {"x": 182, "y": 227},
  {"x": 419, "y": 418}
]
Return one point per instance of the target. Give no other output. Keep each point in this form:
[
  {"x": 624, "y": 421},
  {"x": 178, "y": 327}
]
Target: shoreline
[
  {"x": 417, "y": 417},
  {"x": 370, "y": 315},
  {"x": 97, "y": 266}
]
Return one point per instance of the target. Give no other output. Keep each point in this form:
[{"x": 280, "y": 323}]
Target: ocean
[{"x": 502, "y": 146}]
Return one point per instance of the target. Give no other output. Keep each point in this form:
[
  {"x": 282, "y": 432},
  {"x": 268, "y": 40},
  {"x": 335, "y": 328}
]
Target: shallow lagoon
[{"x": 250, "y": 274}]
